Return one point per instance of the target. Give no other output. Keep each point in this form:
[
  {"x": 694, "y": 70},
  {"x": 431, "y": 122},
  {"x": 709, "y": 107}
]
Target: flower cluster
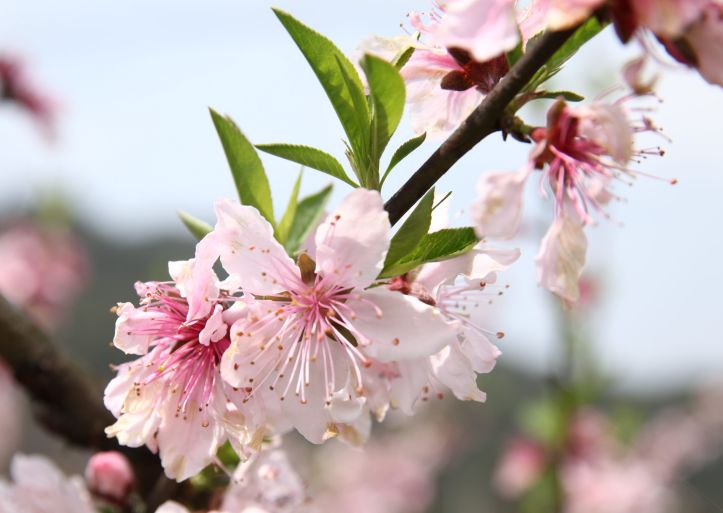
[{"x": 317, "y": 344}]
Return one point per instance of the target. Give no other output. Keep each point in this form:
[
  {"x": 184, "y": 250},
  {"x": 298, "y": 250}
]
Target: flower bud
[{"x": 110, "y": 476}]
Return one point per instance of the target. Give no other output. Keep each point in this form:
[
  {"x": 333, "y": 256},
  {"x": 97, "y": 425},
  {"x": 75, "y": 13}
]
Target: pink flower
[
  {"x": 109, "y": 475},
  {"x": 173, "y": 398},
  {"x": 316, "y": 327},
  {"x": 522, "y": 464},
  {"x": 15, "y": 86},
  {"x": 38, "y": 487},
  {"x": 580, "y": 154},
  {"x": 43, "y": 270},
  {"x": 705, "y": 39}
]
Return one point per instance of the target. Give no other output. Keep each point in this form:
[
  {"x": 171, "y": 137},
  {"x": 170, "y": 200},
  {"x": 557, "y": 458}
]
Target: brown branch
[
  {"x": 67, "y": 402},
  {"x": 478, "y": 125}
]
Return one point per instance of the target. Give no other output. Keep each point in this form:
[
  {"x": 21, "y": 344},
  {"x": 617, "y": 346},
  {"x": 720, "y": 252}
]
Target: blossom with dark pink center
[
  {"x": 173, "y": 398},
  {"x": 316, "y": 326},
  {"x": 580, "y": 154}
]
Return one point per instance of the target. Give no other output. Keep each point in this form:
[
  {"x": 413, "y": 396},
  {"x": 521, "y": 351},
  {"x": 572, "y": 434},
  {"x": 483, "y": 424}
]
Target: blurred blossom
[
  {"x": 38, "y": 486},
  {"x": 109, "y": 475},
  {"x": 9, "y": 415},
  {"x": 17, "y": 87},
  {"x": 520, "y": 466},
  {"x": 44, "y": 268},
  {"x": 395, "y": 473}
]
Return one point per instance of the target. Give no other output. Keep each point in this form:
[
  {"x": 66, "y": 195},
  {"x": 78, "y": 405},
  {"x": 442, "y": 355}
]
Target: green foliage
[
  {"x": 433, "y": 247},
  {"x": 246, "y": 167},
  {"x": 582, "y": 35},
  {"x": 282, "y": 230},
  {"x": 198, "y": 228},
  {"x": 567, "y": 95},
  {"x": 309, "y": 157},
  {"x": 403, "y": 57},
  {"x": 402, "y": 152},
  {"x": 412, "y": 231},
  {"x": 337, "y": 76},
  {"x": 308, "y": 213}
]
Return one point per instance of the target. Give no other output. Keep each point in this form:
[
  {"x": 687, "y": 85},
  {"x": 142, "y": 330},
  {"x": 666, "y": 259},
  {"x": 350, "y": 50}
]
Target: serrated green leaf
[
  {"x": 388, "y": 93},
  {"x": 582, "y": 35},
  {"x": 198, "y": 228},
  {"x": 403, "y": 151},
  {"x": 403, "y": 57},
  {"x": 309, "y": 157},
  {"x": 246, "y": 167},
  {"x": 326, "y": 60},
  {"x": 308, "y": 212},
  {"x": 282, "y": 230},
  {"x": 434, "y": 247},
  {"x": 412, "y": 231}
]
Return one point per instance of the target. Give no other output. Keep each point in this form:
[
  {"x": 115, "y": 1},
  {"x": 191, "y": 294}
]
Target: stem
[
  {"x": 478, "y": 125},
  {"x": 67, "y": 402}
]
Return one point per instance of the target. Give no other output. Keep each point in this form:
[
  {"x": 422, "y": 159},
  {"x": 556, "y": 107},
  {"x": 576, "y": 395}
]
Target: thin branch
[
  {"x": 67, "y": 402},
  {"x": 478, "y": 125}
]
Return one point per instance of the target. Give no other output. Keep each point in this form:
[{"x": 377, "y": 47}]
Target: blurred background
[{"x": 131, "y": 142}]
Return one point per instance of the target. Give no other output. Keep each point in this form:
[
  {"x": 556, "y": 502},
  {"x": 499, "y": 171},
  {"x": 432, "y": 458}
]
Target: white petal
[
  {"x": 498, "y": 209},
  {"x": 244, "y": 240},
  {"x": 454, "y": 370},
  {"x": 197, "y": 282},
  {"x": 345, "y": 407},
  {"x": 352, "y": 242},
  {"x": 562, "y": 258},
  {"x": 400, "y": 327},
  {"x": 215, "y": 328},
  {"x": 406, "y": 389},
  {"x": 130, "y": 322},
  {"x": 172, "y": 507},
  {"x": 481, "y": 353}
]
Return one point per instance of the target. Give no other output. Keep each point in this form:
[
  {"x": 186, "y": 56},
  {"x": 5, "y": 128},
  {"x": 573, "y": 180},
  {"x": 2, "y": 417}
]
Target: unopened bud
[{"x": 109, "y": 475}]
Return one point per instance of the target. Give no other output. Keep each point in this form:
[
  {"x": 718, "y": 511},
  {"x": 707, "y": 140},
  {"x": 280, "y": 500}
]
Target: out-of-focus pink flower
[
  {"x": 15, "y": 86},
  {"x": 316, "y": 328},
  {"x": 173, "y": 398},
  {"x": 109, "y": 475},
  {"x": 38, "y": 486},
  {"x": 396, "y": 473},
  {"x": 580, "y": 153},
  {"x": 521, "y": 465},
  {"x": 9, "y": 415},
  {"x": 43, "y": 269},
  {"x": 705, "y": 39}
]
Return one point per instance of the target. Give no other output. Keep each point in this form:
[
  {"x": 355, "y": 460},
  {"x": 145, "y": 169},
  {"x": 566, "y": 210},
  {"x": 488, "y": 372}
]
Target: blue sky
[{"x": 135, "y": 79}]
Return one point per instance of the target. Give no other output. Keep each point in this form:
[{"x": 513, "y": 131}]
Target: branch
[
  {"x": 478, "y": 125},
  {"x": 67, "y": 401}
]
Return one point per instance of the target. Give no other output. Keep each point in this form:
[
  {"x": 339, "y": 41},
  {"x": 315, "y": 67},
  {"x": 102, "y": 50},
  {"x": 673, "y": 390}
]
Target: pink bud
[{"x": 109, "y": 475}]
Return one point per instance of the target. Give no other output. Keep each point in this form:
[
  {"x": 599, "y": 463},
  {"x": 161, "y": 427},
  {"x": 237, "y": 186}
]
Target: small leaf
[
  {"x": 246, "y": 167},
  {"x": 436, "y": 246},
  {"x": 198, "y": 228},
  {"x": 282, "y": 231},
  {"x": 403, "y": 151},
  {"x": 309, "y": 157},
  {"x": 514, "y": 55},
  {"x": 308, "y": 213},
  {"x": 412, "y": 231},
  {"x": 387, "y": 91},
  {"x": 346, "y": 95},
  {"x": 567, "y": 95},
  {"x": 403, "y": 57}
]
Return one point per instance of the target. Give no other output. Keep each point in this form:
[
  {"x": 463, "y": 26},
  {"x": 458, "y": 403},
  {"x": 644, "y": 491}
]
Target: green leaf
[
  {"x": 309, "y": 157},
  {"x": 436, "y": 246},
  {"x": 246, "y": 167},
  {"x": 514, "y": 55},
  {"x": 412, "y": 231},
  {"x": 198, "y": 228},
  {"x": 403, "y": 151},
  {"x": 282, "y": 231},
  {"x": 346, "y": 94},
  {"x": 308, "y": 212},
  {"x": 403, "y": 57},
  {"x": 387, "y": 91},
  {"x": 582, "y": 35},
  {"x": 567, "y": 95}
]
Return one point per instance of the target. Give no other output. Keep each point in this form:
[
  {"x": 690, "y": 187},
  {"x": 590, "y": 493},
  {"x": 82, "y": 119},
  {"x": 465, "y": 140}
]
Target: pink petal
[
  {"x": 562, "y": 258},
  {"x": 352, "y": 242},
  {"x": 498, "y": 209}
]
